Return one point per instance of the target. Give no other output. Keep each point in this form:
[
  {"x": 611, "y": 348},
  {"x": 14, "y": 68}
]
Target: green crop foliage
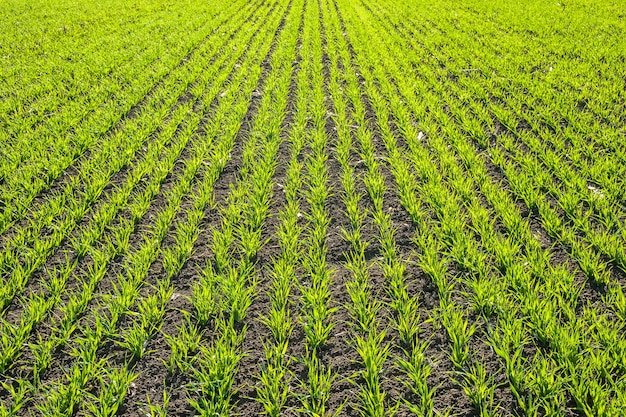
[{"x": 312, "y": 207}]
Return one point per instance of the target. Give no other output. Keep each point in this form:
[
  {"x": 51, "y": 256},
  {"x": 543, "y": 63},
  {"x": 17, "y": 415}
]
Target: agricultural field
[{"x": 313, "y": 208}]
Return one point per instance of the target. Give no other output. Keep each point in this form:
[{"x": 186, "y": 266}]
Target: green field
[{"x": 313, "y": 208}]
